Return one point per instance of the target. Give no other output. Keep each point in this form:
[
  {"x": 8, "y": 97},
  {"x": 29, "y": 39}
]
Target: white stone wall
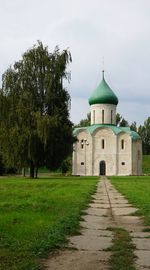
[
  {"x": 124, "y": 155},
  {"x": 82, "y": 157},
  {"x": 126, "y": 161},
  {"x": 108, "y": 154},
  {"x": 137, "y": 157},
  {"x": 96, "y": 114}
]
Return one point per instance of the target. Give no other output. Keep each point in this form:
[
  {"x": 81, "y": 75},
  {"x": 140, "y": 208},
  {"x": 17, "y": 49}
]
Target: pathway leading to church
[{"x": 87, "y": 251}]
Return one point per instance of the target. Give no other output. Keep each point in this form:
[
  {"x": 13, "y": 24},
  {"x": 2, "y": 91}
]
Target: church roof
[
  {"x": 103, "y": 94},
  {"x": 116, "y": 130}
]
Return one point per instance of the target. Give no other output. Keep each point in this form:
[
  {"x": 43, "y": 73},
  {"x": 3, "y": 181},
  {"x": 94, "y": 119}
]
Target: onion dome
[{"x": 103, "y": 94}]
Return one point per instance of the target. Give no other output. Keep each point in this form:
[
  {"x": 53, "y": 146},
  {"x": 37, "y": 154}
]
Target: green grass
[
  {"x": 137, "y": 191},
  {"x": 146, "y": 164},
  {"x": 36, "y": 216},
  {"x": 122, "y": 257}
]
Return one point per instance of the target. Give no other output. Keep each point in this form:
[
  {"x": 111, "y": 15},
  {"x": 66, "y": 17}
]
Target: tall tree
[
  {"x": 36, "y": 129},
  {"x": 120, "y": 121},
  {"x": 133, "y": 126},
  {"x": 144, "y": 132},
  {"x": 85, "y": 122}
]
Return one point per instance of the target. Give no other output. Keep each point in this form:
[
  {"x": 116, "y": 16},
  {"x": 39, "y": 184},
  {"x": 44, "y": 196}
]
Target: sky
[{"x": 116, "y": 30}]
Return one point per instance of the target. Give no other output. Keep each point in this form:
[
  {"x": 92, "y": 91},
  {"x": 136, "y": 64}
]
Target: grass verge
[
  {"x": 37, "y": 215},
  {"x": 137, "y": 191},
  {"x": 122, "y": 257}
]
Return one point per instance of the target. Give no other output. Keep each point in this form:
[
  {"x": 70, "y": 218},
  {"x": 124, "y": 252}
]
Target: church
[{"x": 103, "y": 148}]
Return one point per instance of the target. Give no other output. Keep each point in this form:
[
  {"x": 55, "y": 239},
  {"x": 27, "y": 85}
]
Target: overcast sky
[{"x": 118, "y": 30}]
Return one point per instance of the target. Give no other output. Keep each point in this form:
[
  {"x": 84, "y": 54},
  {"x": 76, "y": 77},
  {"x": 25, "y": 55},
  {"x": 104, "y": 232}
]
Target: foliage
[
  {"x": 35, "y": 128},
  {"x": 133, "y": 127},
  {"x": 144, "y": 132},
  {"x": 141, "y": 195},
  {"x": 2, "y": 168},
  {"x": 36, "y": 217},
  {"x": 120, "y": 121},
  {"x": 6, "y": 170},
  {"x": 146, "y": 164},
  {"x": 66, "y": 166},
  {"x": 85, "y": 122}
]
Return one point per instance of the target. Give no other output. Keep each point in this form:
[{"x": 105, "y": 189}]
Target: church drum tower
[{"x": 104, "y": 148}]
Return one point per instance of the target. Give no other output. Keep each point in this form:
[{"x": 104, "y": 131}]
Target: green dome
[{"x": 103, "y": 94}]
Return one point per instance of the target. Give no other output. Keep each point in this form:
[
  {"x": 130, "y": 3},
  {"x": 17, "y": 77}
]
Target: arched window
[
  {"x": 122, "y": 144},
  {"x": 93, "y": 116},
  {"x": 102, "y": 116},
  {"x": 103, "y": 144},
  {"x": 111, "y": 116}
]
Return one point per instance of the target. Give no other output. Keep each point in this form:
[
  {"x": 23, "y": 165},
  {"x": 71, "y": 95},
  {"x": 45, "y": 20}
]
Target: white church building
[{"x": 103, "y": 148}]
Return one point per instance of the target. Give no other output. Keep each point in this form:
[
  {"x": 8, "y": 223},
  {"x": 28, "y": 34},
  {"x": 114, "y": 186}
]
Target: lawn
[
  {"x": 137, "y": 190},
  {"x": 146, "y": 164},
  {"x": 36, "y": 216}
]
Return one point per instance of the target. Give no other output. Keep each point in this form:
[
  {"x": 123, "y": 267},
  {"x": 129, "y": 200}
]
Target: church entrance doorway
[{"x": 102, "y": 167}]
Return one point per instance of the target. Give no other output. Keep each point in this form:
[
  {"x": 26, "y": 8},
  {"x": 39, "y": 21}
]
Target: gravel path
[{"x": 87, "y": 251}]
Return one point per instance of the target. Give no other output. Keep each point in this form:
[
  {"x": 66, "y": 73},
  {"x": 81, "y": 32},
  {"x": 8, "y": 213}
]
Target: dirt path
[{"x": 108, "y": 209}]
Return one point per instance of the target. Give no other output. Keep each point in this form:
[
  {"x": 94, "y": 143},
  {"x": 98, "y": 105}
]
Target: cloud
[{"x": 118, "y": 30}]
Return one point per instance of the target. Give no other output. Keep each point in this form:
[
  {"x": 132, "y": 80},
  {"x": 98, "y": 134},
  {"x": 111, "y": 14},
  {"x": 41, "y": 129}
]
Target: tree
[
  {"x": 35, "y": 127},
  {"x": 66, "y": 165},
  {"x": 120, "y": 121},
  {"x": 124, "y": 123},
  {"x": 85, "y": 122},
  {"x": 2, "y": 168},
  {"x": 144, "y": 132},
  {"x": 133, "y": 126}
]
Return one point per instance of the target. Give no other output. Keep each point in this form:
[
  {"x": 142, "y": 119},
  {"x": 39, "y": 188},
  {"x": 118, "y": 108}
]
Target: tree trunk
[
  {"x": 23, "y": 172},
  {"x": 36, "y": 172},
  {"x": 31, "y": 169}
]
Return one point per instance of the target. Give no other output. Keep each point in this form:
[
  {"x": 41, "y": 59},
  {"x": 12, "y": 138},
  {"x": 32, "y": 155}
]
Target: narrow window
[
  {"x": 122, "y": 163},
  {"x": 82, "y": 163},
  {"x": 82, "y": 144},
  {"x": 94, "y": 117},
  {"x": 111, "y": 116},
  {"x": 138, "y": 154},
  {"x": 103, "y": 143},
  {"x": 122, "y": 144},
  {"x": 102, "y": 116}
]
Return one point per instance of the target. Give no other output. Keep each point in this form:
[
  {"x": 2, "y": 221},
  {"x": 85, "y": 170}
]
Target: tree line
[
  {"x": 35, "y": 129},
  {"x": 143, "y": 130}
]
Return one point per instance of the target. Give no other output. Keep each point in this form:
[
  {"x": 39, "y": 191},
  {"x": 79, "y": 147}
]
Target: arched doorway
[{"x": 102, "y": 168}]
